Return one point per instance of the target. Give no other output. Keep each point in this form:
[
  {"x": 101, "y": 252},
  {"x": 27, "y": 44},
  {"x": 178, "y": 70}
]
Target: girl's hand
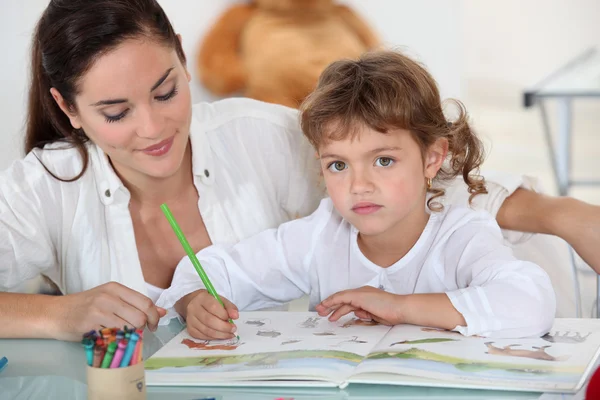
[
  {"x": 366, "y": 302},
  {"x": 206, "y": 318},
  {"x": 108, "y": 305}
]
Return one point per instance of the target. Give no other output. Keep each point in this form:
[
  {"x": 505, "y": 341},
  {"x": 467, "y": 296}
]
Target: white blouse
[
  {"x": 460, "y": 253},
  {"x": 253, "y": 170}
]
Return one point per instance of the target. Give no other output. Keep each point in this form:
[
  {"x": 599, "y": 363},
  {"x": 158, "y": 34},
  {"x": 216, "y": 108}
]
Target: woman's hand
[
  {"x": 366, "y": 302},
  {"x": 108, "y": 305},
  {"x": 205, "y": 317}
]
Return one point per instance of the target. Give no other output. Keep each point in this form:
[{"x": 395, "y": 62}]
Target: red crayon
[{"x": 98, "y": 355}]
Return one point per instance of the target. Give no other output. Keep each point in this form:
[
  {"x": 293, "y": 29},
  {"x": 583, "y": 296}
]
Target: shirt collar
[
  {"x": 110, "y": 186},
  {"x": 202, "y": 155},
  {"x": 107, "y": 181}
]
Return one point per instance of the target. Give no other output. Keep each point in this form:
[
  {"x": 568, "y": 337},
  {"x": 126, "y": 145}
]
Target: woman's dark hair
[{"x": 69, "y": 37}]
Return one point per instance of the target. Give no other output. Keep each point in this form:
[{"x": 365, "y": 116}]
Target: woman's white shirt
[{"x": 253, "y": 170}]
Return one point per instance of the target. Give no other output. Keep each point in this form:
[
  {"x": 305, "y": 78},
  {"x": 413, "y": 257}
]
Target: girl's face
[
  {"x": 134, "y": 103},
  {"x": 377, "y": 181}
]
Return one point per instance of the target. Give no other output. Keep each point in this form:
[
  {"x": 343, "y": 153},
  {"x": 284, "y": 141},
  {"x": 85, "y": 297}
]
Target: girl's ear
[
  {"x": 73, "y": 117},
  {"x": 435, "y": 156}
]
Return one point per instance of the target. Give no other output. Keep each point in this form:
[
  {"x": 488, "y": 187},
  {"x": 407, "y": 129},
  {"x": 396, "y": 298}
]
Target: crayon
[
  {"x": 98, "y": 355},
  {"x": 116, "y": 361},
  {"x": 88, "y": 344},
  {"x": 106, "y": 334},
  {"x": 141, "y": 342},
  {"x": 90, "y": 335},
  {"x": 110, "y": 352},
  {"x": 135, "y": 358},
  {"x": 133, "y": 339}
]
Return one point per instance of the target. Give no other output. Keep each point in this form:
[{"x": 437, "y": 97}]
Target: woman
[{"x": 111, "y": 135}]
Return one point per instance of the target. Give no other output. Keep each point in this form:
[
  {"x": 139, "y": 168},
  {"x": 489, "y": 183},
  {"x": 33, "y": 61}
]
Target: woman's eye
[
  {"x": 384, "y": 162},
  {"x": 167, "y": 96},
  {"x": 337, "y": 166},
  {"x": 115, "y": 118}
]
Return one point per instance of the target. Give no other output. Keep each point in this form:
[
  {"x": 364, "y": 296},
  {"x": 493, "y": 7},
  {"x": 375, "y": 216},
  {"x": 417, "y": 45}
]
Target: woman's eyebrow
[{"x": 109, "y": 102}]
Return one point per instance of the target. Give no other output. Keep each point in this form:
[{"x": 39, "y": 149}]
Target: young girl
[{"x": 383, "y": 245}]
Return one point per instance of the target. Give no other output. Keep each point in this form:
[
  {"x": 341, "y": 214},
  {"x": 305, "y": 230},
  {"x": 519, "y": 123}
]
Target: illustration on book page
[{"x": 257, "y": 322}]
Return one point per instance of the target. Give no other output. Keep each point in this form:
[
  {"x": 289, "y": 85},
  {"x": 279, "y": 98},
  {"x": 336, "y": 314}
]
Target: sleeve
[
  {"x": 298, "y": 180},
  {"x": 499, "y": 186},
  {"x": 498, "y": 295},
  {"x": 305, "y": 186},
  {"x": 265, "y": 270},
  {"x": 28, "y": 209}
]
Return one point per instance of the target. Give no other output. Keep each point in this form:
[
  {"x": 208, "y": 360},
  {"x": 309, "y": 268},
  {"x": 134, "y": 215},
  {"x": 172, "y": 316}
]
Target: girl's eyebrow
[
  {"x": 330, "y": 156},
  {"x": 118, "y": 101},
  {"x": 374, "y": 151},
  {"x": 384, "y": 149}
]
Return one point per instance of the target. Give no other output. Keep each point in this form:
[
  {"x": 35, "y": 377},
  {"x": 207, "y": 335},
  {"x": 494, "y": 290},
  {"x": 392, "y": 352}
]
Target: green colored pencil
[{"x": 190, "y": 252}]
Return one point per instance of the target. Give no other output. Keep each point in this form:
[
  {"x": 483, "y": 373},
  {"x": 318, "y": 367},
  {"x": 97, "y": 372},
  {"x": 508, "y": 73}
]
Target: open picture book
[{"x": 303, "y": 349}]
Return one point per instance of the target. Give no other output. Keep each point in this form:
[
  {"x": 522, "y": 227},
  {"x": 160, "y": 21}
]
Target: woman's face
[{"x": 134, "y": 103}]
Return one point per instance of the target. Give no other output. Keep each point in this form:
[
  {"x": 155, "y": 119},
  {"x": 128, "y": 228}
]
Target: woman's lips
[{"x": 159, "y": 149}]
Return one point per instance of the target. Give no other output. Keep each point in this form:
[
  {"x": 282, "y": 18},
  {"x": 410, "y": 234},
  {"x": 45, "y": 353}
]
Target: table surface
[{"x": 50, "y": 369}]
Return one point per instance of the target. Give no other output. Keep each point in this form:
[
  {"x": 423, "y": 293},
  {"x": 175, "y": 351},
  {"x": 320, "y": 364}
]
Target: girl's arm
[
  {"x": 427, "y": 309},
  {"x": 265, "y": 270},
  {"x": 490, "y": 292},
  {"x": 497, "y": 294}
]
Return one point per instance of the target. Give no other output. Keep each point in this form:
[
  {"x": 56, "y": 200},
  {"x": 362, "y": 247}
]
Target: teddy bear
[{"x": 275, "y": 50}]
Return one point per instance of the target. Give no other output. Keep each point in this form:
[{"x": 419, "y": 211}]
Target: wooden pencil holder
[{"x": 127, "y": 383}]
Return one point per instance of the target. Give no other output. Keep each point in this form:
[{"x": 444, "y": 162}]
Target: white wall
[
  {"x": 518, "y": 43},
  {"x": 433, "y": 37},
  {"x": 509, "y": 43},
  {"x": 17, "y": 20}
]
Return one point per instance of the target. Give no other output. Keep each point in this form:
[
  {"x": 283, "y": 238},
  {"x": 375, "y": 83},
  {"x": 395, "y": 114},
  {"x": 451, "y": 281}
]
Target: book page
[
  {"x": 558, "y": 361},
  {"x": 272, "y": 345}
]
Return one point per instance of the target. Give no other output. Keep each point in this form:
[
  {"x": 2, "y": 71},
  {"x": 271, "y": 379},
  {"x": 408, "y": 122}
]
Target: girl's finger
[
  {"x": 362, "y": 314},
  {"x": 215, "y": 308},
  {"x": 341, "y": 311},
  {"x": 208, "y": 332},
  {"x": 215, "y": 322}
]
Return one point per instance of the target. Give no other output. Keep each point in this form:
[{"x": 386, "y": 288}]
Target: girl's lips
[
  {"x": 159, "y": 149},
  {"x": 366, "y": 208}
]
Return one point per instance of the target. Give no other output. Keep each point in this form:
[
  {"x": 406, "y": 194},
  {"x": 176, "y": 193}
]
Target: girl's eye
[
  {"x": 115, "y": 118},
  {"x": 337, "y": 166},
  {"x": 167, "y": 96},
  {"x": 384, "y": 162}
]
